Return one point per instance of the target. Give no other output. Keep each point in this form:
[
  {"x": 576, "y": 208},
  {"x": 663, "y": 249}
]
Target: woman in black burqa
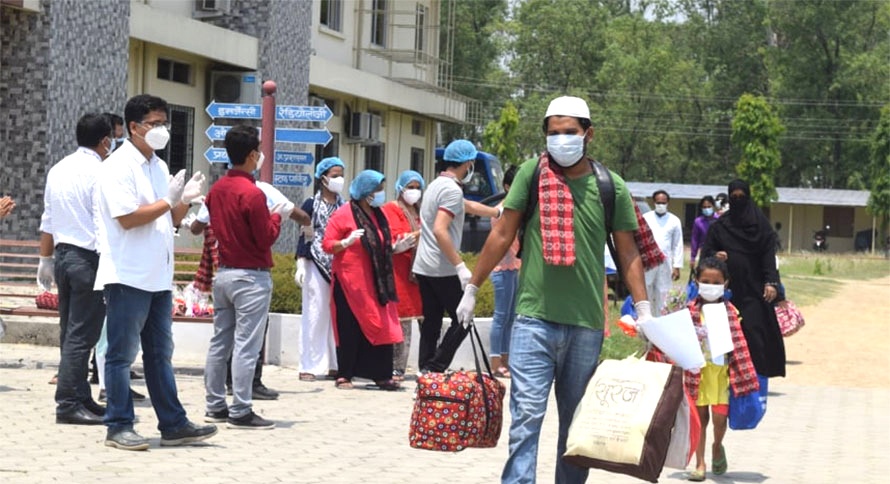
[{"x": 744, "y": 238}]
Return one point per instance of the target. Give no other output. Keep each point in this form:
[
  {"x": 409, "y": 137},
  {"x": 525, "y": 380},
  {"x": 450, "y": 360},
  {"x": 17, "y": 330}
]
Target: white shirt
[
  {"x": 668, "y": 233},
  {"x": 141, "y": 257},
  {"x": 68, "y": 199},
  {"x": 273, "y": 197}
]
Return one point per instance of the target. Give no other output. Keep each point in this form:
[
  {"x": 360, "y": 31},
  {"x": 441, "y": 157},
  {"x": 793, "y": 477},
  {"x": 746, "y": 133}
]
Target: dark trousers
[
  {"x": 258, "y": 372},
  {"x": 438, "y": 295},
  {"x": 356, "y": 356},
  {"x": 81, "y": 312}
]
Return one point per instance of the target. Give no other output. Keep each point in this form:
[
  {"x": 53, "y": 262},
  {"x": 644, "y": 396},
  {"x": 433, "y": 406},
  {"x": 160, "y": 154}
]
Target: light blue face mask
[
  {"x": 707, "y": 212},
  {"x": 378, "y": 199}
]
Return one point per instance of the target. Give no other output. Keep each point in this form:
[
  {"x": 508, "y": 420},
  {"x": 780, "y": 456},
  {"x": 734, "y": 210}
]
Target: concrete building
[
  {"x": 374, "y": 63},
  {"x": 797, "y": 214}
]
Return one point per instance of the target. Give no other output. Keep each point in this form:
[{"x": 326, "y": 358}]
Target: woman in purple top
[{"x": 700, "y": 228}]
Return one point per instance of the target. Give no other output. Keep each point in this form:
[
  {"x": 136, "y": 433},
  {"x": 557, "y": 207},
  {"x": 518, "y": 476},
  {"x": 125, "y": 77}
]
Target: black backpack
[{"x": 606, "y": 186}]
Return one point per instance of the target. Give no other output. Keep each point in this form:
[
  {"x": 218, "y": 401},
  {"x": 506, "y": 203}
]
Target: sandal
[
  {"x": 388, "y": 385},
  {"x": 502, "y": 372},
  {"x": 697, "y": 475},
  {"x": 343, "y": 384},
  {"x": 307, "y": 377},
  {"x": 719, "y": 466}
]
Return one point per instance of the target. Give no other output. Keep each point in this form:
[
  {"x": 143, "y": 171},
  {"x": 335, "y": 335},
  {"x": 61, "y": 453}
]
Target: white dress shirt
[
  {"x": 68, "y": 213},
  {"x": 668, "y": 233},
  {"x": 140, "y": 257}
]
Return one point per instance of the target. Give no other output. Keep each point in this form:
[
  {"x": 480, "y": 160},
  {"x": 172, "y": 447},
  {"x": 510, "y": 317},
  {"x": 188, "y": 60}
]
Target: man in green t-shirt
[{"x": 558, "y": 331}]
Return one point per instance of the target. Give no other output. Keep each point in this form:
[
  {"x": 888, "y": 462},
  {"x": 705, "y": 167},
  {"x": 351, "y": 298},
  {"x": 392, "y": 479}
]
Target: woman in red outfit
[
  {"x": 364, "y": 302},
  {"x": 404, "y": 226}
]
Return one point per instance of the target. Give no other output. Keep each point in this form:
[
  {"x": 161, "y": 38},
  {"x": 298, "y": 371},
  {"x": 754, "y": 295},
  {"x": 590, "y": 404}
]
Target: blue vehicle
[{"x": 487, "y": 179}]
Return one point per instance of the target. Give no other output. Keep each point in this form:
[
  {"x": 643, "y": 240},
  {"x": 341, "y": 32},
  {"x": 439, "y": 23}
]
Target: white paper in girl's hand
[
  {"x": 674, "y": 334},
  {"x": 719, "y": 338}
]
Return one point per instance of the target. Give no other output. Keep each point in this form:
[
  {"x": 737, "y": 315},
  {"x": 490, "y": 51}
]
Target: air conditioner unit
[
  {"x": 316, "y": 100},
  {"x": 359, "y": 126},
  {"x": 234, "y": 87},
  {"x": 374, "y": 127}
]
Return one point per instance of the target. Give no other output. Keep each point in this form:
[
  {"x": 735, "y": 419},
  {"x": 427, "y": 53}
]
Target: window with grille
[
  {"x": 417, "y": 127},
  {"x": 173, "y": 71},
  {"x": 331, "y": 11},
  {"x": 178, "y": 153},
  {"x": 328, "y": 150},
  {"x": 420, "y": 28},
  {"x": 378, "y": 22},
  {"x": 374, "y": 158},
  {"x": 417, "y": 156}
]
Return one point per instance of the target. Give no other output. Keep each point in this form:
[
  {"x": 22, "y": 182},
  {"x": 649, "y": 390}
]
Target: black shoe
[
  {"x": 94, "y": 407},
  {"x": 216, "y": 417},
  {"x": 260, "y": 392},
  {"x": 134, "y": 375},
  {"x": 81, "y": 416},
  {"x": 125, "y": 439},
  {"x": 251, "y": 421},
  {"x": 187, "y": 434},
  {"x": 137, "y": 397}
]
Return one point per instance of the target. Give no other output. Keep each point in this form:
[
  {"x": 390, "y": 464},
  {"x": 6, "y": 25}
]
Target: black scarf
[
  {"x": 379, "y": 251},
  {"x": 747, "y": 222}
]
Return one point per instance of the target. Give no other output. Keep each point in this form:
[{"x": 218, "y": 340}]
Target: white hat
[{"x": 568, "y": 106}]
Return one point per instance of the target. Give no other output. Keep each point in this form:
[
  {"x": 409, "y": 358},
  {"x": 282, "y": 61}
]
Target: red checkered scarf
[
  {"x": 557, "y": 214},
  {"x": 742, "y": 375},
  {"x": 650, "y": 253},
  {"x": 209, "y": 262}
]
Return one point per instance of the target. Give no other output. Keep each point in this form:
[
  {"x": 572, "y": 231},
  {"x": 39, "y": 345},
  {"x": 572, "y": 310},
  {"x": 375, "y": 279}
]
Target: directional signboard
[
  {"x": 235, "y": 111},
  {"x": 316, "y": 114},
  {"x": 294, "y": 157},
  {"x": 283, "y": 179},
  {"x": 304, "y": 136},
  {"x": 216, "y": 155},
  {"x": 217, "y": 133}
]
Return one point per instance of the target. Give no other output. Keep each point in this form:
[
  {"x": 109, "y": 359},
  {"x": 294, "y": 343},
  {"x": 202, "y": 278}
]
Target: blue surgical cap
[
  {"x": 365, "y": 184},
  {"x": 326, "y": 164},
  {"x": 407, "y": 177},
  {"x": 459, "y": 151}
]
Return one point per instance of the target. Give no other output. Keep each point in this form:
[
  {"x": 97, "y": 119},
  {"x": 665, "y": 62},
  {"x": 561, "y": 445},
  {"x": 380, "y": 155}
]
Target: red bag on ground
[
  {"x": 47, "y": 300},
  {"x": 453, "y": 411}
]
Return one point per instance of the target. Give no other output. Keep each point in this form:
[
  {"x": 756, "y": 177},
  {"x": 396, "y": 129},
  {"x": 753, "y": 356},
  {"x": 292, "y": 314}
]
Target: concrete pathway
[{"x": 810, "y": 435}]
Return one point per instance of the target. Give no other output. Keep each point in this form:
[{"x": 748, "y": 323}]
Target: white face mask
[
  {"x": 259, "y": 163},
  {"x": 661, "y": 208},
  {"x": 335, "y": 184},
  {"x": 710, "y": 292},
  {"x": 157, "y": 137},
  {"x": 469, "y": 176},
  {"x": 411, "y": 195},
  {"x": 565, "y": 149}
]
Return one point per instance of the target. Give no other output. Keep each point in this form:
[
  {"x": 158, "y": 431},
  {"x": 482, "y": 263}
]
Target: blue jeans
[
  {"x": 540, "y": 352},
  {"x": 240, "y": 311},
  {"x": 134, "y": 315},
  {"x": 505, "y": 284}
]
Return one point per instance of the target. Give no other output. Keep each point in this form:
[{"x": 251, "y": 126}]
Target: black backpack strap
[
  {"x": 606, "y": 186},
  {"x": 529, "y": 207}
]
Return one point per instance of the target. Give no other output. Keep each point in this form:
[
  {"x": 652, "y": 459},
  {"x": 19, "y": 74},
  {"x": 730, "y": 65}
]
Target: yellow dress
[{"x": 714, "y": 386}]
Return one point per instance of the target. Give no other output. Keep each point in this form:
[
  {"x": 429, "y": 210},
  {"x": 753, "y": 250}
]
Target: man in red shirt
[{"x": 242, "y": 289}]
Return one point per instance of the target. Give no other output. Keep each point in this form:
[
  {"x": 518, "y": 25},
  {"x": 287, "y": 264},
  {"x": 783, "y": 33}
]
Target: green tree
[
  {"x": 879, "y": 170},
  {"x": 501, "y": 136},
  {"x": 755, "y": 133}
]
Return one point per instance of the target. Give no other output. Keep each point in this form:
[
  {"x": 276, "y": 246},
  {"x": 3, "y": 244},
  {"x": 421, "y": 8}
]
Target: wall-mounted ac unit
[
  {"x": 364, "y": 127},
  {"x": 234, "y": 87}
]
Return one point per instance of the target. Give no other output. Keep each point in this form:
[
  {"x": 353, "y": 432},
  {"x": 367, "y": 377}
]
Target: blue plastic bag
[{"x": 746, "y": 412}]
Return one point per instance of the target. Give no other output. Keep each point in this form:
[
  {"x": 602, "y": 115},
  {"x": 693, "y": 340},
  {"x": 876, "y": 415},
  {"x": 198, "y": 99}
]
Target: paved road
[{"x": 810, "y": 435}]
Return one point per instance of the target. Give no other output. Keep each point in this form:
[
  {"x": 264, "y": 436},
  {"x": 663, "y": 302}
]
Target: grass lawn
[{"x": 809, "y": 278}]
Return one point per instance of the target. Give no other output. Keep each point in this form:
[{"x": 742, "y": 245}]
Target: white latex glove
[
  {"x": 193, "y": 188},
  {"x": 284, "y": 209},
  {"x": 199, "y": 200},
  {"x": 187, "y": 221},
  {"x": 405, "y": 242},
  {"x": 355, "y": 235},
  {"x": 45, "y": 273},
  {"x": 467, "y": 306},
  {"x": 463, "y": 274},
  {"x": 644, "y": 313},
  {"x": 300, "y": 275},
  {"x": 174, "y": 191}
]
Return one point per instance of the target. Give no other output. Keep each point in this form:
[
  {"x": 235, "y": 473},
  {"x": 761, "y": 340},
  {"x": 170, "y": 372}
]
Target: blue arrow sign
[
  {"x": 305, "y": 136},
  {"x": 294, "y": 157},
  {"x": 291, "y": 179},
  {"x": 216, "y": 155},
  {"x": 236, "y": 111},
  {"x": 317, "y": 114},
  {"x": 217, "y": 133}
]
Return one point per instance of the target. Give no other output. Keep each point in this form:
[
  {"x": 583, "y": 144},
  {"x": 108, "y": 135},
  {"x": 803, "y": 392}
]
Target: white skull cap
[{"x": 568, "y": 106}]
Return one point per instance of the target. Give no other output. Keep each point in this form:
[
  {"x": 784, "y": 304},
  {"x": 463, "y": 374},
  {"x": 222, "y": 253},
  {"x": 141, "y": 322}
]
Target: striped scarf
[{"x": 209, "y": 262}]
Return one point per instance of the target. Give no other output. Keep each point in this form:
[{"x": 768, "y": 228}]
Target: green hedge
[{"x": 287, "y": 297}]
